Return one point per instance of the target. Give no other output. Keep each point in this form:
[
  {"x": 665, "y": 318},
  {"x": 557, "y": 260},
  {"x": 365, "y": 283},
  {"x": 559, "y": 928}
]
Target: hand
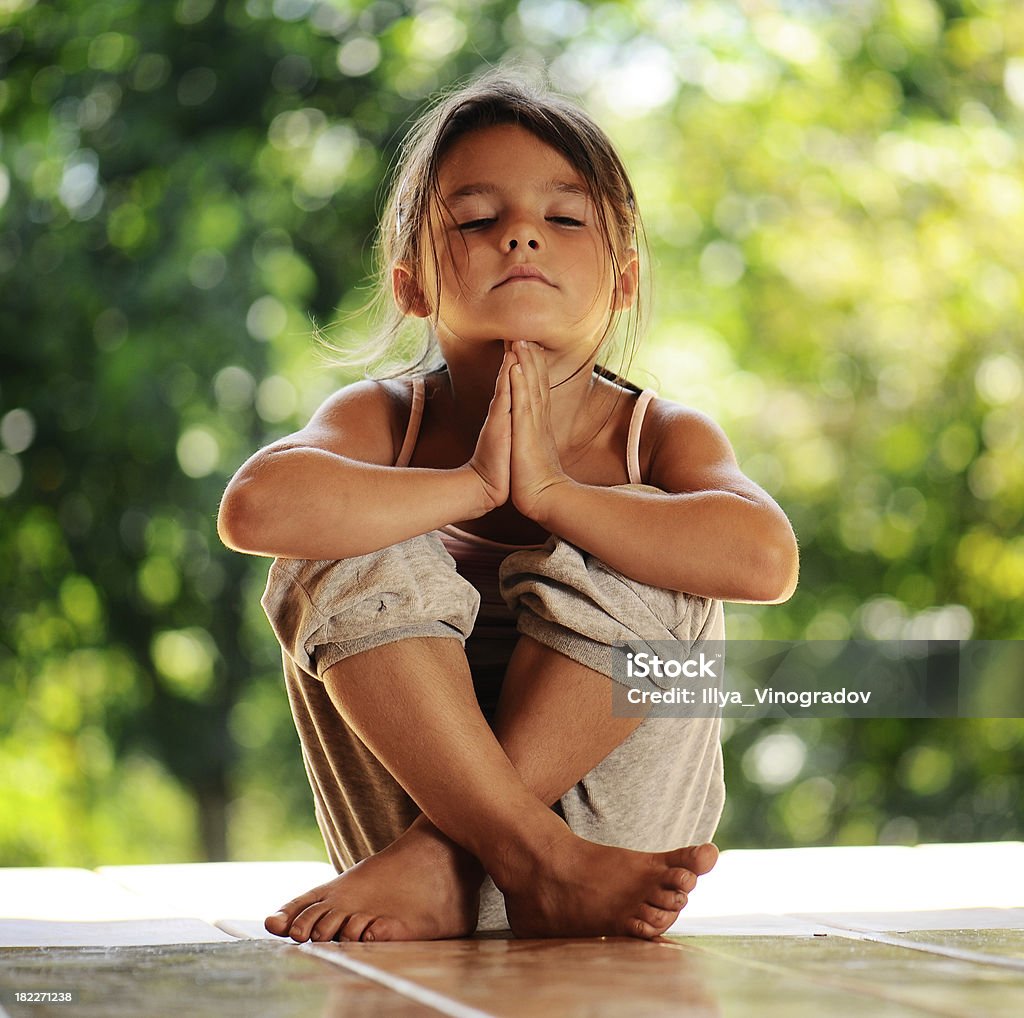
[
  {"x": 536, "y": 469},
  {"x": 491, "y": 458}
]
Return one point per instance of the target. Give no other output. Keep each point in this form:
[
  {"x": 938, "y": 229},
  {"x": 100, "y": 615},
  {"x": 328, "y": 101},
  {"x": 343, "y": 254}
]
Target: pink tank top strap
[
  {"x": 412, "y": 430},
  {"x": 636, "y": 422}
]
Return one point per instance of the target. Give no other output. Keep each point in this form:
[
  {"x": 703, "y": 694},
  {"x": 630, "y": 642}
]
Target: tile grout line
[
  {"x": 956, "y": 953},
  {"x": 847, "y": 985},
  {"x": 403, "y": 987}
]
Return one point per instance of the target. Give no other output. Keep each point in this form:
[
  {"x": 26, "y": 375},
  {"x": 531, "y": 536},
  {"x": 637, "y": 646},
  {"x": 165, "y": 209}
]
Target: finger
[
  {"x": 540, "y": 359},
  {"x": 540, "y": 371},
  {"x": 498, "y": 422},
  {"x": 527, "y": 353},
  {"x": 519, "y": 389},
  {"x": 505, "y": 386},
  {"x": 539, "y": 393},
  {"x": 501, "y": 385},
  {"x": 526, "y": 421}
]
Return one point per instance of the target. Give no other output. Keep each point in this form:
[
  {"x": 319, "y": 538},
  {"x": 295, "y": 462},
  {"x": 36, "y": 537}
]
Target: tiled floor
[{"x": 932, "y": 930}]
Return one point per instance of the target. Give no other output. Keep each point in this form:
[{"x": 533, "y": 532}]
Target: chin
[{"x": 535, "y": 328}]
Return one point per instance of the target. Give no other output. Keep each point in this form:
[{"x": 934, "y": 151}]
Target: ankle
[
  {"x": 449, "y": 854},
  {"x": 514, "y": 862}
]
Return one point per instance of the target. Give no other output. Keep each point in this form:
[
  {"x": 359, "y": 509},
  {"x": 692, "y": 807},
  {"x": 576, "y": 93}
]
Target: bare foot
[
  {"x": 582, "y": 889},
  {"x": 421, "y": 887}
]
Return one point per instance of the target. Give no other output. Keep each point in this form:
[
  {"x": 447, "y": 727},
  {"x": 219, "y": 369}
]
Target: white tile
[
  {"x": 74, "y": 895},
  {"x": 862, "y": 879},
  {"x": 250, "y": 929},
  {"x": 936, "y": 919},
  {"x": 746, "y": 926},
  {"x": 126, "y": 933},
  {"x": 222, "y": 890}
]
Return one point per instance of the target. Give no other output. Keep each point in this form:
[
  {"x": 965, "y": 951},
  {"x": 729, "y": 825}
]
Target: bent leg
[
  {"x": 424, "y": 724},
  {"x": 360, "y": 808},
  {"x": 323, "y": 612},
  {"x": 556, "y": 725},
  {"x": 411, "y": 703},
  {"x": 663, "y": 780},
  {"x": 648, "y": 784}
]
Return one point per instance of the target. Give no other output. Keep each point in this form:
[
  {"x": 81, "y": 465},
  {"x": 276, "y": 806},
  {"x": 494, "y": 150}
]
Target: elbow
[
  {"x": 774, "y": 574},
  {"x": 237, "y": 517}
]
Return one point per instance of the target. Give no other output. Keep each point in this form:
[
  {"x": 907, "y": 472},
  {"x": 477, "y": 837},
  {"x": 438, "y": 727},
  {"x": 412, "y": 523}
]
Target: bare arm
[
  {"x": 709, "y": 531},
  {"x": 713, "y": 532},
  {"x": 329, "y": 491}
]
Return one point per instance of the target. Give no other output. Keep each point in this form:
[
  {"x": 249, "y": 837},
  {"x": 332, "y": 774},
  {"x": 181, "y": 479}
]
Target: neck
[{"x": 577, "y": 397}]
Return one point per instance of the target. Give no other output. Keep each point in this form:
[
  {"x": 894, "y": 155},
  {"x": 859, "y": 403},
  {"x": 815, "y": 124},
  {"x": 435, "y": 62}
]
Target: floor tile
[
  {"x": 237, "y": 980},
  {"x": 40, "y": 933},
  {"x": 609, "y": 978},
  {"x": 872, "y": 975}
]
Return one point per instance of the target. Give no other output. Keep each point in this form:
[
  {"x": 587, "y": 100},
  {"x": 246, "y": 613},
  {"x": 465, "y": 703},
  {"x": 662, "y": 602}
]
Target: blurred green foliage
[{"x": 835, "y": 203}]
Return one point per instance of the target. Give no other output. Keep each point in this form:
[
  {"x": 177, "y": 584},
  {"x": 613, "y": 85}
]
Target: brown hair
[{"x": 497, "y": 97}]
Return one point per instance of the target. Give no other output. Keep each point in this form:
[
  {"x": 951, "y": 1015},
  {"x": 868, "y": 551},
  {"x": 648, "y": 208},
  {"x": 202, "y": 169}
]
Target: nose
[
  {"x": 513, "y": 243},
  {"x": 521, "y": 231}
]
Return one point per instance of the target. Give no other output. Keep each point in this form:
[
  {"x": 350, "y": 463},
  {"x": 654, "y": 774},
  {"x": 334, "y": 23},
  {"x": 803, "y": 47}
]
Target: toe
[
  {"x": 669, "y": 899},
  {"x": 385, "y": 928},
  {"x": 637, "y": 927},
  {"x": 679, "y": 879},
  {"x": 699, "y": 859},
  {"x": 327, "y": 926},
  {"x": 278, "y": 923},
  {"x": 657, "y": 918},
  {"x": 356, "y": 925},
  {"x": 705, "y": 857},
  {"x": 303, "y": 926}
]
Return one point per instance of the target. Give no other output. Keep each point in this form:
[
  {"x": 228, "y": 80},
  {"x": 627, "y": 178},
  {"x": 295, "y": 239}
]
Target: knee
[
  {"x": 324, "y": 611},
  {"x": 565, "y": 584},
  {"x": 577, "y": 604}
]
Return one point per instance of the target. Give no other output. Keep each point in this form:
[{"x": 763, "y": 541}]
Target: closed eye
[
  {"x": 476, "y": 224},
  {"x": 566, "y": 221}
]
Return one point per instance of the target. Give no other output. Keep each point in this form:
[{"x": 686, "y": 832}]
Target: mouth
[{"x": 523, "y": 274}]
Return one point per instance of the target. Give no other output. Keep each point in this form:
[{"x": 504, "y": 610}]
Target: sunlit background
[{"x": 834, "y": 200}]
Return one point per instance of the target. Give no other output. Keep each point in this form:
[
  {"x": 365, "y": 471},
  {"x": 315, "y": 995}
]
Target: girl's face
[{"x": 521, "y": 254}]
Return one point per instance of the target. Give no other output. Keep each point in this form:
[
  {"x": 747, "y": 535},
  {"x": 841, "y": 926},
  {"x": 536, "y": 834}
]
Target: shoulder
[
  {"x": 365, "y": 420},
  {"x": 684, "y": 449}
]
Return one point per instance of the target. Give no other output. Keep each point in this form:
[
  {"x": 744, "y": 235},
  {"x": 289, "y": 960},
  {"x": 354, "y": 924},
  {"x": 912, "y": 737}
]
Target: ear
[
  {"x": 408, "y": 293},
  {"x": 628, "y": 283}
]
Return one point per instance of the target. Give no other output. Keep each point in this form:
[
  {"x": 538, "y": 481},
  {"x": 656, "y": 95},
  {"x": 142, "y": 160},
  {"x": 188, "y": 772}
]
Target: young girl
[{"x": 459, "y": 547}]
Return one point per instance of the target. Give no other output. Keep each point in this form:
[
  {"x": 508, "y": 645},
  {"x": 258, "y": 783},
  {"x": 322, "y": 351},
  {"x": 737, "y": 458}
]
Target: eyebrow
[{"x": 555, "y": 186}]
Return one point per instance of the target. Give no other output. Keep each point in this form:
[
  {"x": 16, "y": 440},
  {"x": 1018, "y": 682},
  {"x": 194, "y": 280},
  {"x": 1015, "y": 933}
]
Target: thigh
[
  {"x": 324, "y": 612},
  {"x": 360, "y": 808},
  {"x": 662, "y": 787}
]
